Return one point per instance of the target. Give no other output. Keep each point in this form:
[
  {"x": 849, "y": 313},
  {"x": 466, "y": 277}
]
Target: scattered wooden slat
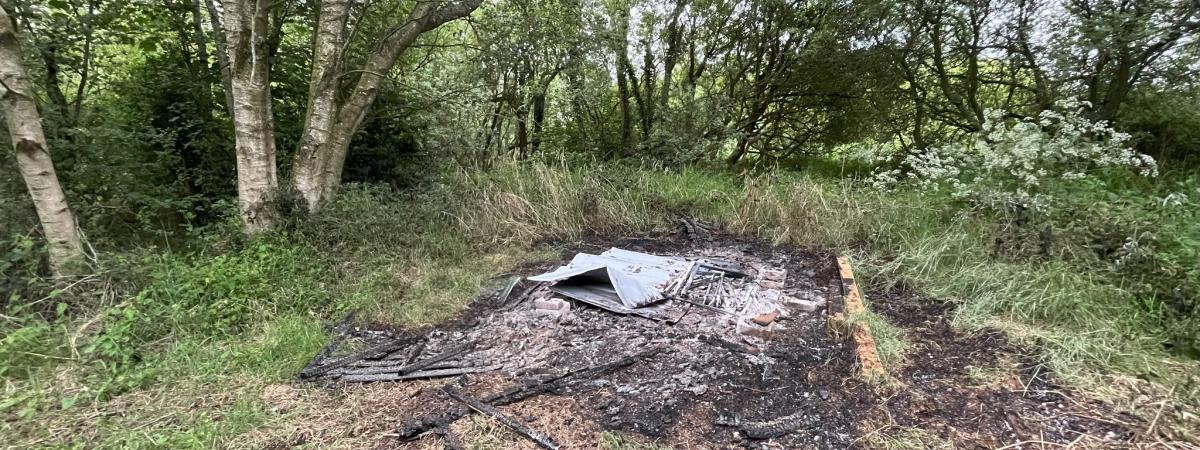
[
  {"x": 541, "y": 440},
  {"x": 339, "y": 333},
  {"x": 412, "y": 367},
  {"x": 439, "y": 373},
  {"x": 414, "y": 427},
  {"x": 374, "y": 352},
  {"x": 864, "y": 344}
]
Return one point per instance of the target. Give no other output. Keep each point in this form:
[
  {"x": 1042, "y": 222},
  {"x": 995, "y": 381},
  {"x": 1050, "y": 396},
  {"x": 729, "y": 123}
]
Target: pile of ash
[{"x": 642, "y": 339}]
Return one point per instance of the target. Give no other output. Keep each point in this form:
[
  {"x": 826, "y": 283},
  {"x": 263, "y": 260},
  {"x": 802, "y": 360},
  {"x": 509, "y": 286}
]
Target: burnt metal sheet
[
  {"x": 604, "y": 297},
  {"x": 635, "y": 279}
]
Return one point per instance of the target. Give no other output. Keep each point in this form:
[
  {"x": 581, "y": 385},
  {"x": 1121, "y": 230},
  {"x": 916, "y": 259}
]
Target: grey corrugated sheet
[{"x": 637, "y": 278}]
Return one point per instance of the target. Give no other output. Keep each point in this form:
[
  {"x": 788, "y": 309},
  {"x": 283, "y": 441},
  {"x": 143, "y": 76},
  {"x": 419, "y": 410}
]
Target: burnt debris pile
[{"x": 730, "y": 336}]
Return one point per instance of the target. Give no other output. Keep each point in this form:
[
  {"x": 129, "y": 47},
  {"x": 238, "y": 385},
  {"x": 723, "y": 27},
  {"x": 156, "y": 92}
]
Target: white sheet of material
[{"x": 638, "y": 278}]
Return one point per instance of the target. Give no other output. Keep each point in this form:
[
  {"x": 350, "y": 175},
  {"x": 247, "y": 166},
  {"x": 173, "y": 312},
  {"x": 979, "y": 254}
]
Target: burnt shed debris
[
  {"x": 642, "y": 338},
  {"x": 629, "y": 282},
  {"x": 616, "y": 278}
]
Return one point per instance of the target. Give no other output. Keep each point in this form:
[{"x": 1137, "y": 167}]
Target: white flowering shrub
[{"x": 1023, "y": 162}]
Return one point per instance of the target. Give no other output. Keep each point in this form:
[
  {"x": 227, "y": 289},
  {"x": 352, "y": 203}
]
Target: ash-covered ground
[{"x": 703, "y": 378}]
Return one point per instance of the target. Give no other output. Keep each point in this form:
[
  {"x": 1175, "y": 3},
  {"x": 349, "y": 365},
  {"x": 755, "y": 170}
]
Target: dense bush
[
  {"x": 1064, "y": 187},
  {"x": 1025, "y": 164}
]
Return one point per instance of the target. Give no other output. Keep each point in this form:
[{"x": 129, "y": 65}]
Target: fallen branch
[
  {"x": 450, "y": 438},
  {"x": 482, "y": 408}
]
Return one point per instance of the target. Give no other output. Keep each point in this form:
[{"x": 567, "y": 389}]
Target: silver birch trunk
[
  {"x": 220, "y": 45},
  {"x": 246, "y": 24},
  {"x": 308, "y": 165},
  {"x": 323, "y": 159},
  {"x": 33, "y": 156}
]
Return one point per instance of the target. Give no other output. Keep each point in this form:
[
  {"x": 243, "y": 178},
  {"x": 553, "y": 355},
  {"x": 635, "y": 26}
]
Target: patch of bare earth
[
  {"x": 1019, "y": 405},
  {"x": 792, "y": 386}
]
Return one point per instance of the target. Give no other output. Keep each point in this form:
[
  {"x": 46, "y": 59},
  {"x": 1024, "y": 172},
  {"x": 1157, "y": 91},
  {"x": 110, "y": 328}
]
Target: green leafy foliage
[
  {"x": 197, "y": 295},
  {"x": 1098, "y": 271}
]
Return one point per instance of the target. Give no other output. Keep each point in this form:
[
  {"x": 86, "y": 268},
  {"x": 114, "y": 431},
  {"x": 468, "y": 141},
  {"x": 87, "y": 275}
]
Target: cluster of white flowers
[{"x": 1008, "y": 162}]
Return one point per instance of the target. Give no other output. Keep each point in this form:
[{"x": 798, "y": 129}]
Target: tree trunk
[
  {"x": 539, "y": 108},
  {"x": 625, "y": 78},
  {"x": 201, "y": 69},
  {"x": 646, "y": 96},
  {"x": 222, "y": 61},
  {"x": 626, "y": 112},
  {"x": 247, "y": 24},
  {"x": 521, "y": 110},
  {"x": 522, "y": 138},
  {"x": 62, "y": 108},
  {"x": 33, "y": 156},
  {"x": 331, "y": 153},
  {"x": 493, "y": 131},
  {"x": 742, "y": 145},
  {"x": 1118, "y": 88},
  {"x": 674, "y": 35},
  {"x": 328, "y": 41},
  {"x": 539, "y": 118}
]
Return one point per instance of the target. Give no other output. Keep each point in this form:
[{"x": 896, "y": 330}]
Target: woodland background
[{"x": 240, "y": 172}]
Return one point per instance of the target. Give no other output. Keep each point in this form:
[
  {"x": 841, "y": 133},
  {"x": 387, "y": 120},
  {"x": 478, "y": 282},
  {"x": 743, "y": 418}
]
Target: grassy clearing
[{"x": 187, "y": 375}]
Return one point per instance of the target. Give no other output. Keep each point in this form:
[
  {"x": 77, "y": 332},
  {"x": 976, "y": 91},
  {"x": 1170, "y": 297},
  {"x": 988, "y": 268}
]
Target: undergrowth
[{"x": 221, "y": 317}]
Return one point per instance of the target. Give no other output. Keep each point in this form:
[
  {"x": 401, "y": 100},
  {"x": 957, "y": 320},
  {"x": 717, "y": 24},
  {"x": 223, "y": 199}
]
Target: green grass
[
  {"x": 193, "y": 373},
  {"x": 890, "y": 342}
]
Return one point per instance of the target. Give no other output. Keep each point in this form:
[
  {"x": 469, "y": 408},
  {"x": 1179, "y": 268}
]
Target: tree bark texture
[
  {"x": 33, "y": 155},
  {"x": 308, "y": 165},
  {"x": 315, "y": 184},
  {"x": 247, "y": 25},
  {"x": 220, "y": 45}
]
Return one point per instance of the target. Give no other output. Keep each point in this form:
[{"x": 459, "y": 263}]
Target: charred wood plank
[
  {"x": 393, "y": 366},
  {"x": 408, "y": 356},
  {"x": 339, "y": 333},
  {"x": 440, "y": 373},
  {"x": 708, "y": 307},
  {"x": 406, "y": 368},
  {"x": 767, "y": 429},
  {"x": 414, "y": 427},
  {"x": 541, "y": 440},
  {"x": 374, "y": 352}
]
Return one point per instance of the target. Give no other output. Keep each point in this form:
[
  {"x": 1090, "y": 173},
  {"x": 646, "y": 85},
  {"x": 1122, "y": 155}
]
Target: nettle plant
[{"x": 1021, "y": 163}]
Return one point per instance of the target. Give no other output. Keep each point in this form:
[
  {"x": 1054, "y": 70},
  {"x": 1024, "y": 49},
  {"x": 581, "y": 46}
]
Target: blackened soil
[
  {"x": 699, "y": 395},
  {"x": 1021, "y": 403},
  {"x": 804, "y": 373}
]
